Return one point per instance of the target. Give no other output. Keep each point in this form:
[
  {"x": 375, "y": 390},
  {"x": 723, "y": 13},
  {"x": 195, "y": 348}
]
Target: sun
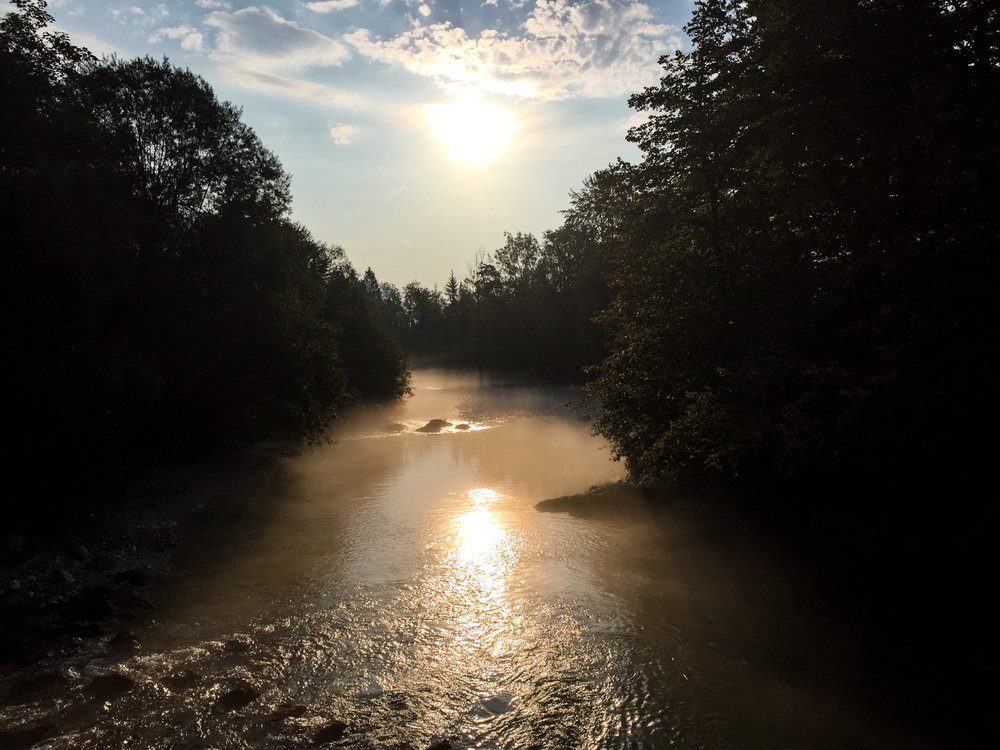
[{"x": 474, "y": 132}]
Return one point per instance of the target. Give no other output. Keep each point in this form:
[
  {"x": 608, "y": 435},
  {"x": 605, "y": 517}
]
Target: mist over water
[{"x": 404, "y": 584}]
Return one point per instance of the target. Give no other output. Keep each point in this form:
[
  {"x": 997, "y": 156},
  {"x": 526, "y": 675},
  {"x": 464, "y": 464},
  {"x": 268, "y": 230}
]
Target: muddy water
[{"x": 397, "y": 588}]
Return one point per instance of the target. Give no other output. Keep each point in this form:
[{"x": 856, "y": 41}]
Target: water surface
[{"x": 403, "y": 583}]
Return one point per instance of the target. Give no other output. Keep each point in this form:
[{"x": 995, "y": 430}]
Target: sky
[{"x": 416, "y": 131}]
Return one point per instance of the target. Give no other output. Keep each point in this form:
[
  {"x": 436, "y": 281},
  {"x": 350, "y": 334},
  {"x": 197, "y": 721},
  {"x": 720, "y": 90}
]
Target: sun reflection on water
[
  {"x": 483, "y": 495},
  {"x": 483, "y": 545},
  {"x": 484, "y": 549},
  {"x": 478, "y": 538}
]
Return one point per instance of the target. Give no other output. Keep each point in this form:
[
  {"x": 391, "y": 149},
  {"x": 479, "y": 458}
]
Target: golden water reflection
[
  {"x": 483, "y": 555},
  {"x": 484, "y": 548},
  {"x": 480, "y": 541}
]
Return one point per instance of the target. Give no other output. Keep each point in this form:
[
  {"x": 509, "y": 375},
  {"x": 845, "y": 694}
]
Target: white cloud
[
  {"x": 342, "y": 134},
  {"x": 593, "y": 48},
  {"x": 190, "y": 38},
  {"x": 141, "y": 16},
  {"x": 424, "y": 10},
  {"x": 328, "y": 6},
  {"x": 260, "y": 39},
  {"x": 293, "y": 88},
  {"x": 211, "y": 4}
]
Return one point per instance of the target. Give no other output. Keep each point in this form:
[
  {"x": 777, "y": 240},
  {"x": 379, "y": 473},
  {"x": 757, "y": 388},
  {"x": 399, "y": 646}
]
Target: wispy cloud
[
  {"x": 260, "y": 39},
  {"x": 329, "y": 6},
  {"x": 294, "y": 88},
  {"x": 135, "y": 14},
  {"x": 564, "y": 49}
]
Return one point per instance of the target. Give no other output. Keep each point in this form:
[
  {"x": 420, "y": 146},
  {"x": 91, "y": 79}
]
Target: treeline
[
  {"x": 159, "y": 300},
  {"x": 529, "y": 307}
]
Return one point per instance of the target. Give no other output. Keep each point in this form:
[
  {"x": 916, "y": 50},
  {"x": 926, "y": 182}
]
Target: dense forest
[{"x": 160, "y": 302}]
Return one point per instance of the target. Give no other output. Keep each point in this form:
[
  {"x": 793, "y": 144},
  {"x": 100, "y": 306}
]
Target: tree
[
  {"x": 183, "y": 153},
  {"x": 808, "y": 239},
  {"x": 36, "y": 66},
  {"x": 451, "y": 289},
  {"x": 517, "y": 260}
]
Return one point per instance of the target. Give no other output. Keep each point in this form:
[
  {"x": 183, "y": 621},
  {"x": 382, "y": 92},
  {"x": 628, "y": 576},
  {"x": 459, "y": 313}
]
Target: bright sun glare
[
  {"x": 481, "y": 539},
  {"x": 474, "y": 132}
]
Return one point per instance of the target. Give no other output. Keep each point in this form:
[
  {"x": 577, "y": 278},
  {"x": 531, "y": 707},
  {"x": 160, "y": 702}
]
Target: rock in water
[
  {"x": 334, "y": 730},
  {"x": 435, "y": 425},
  {"x": 237, "y": 698},
  {"x": 181, "y": 680},
  {"x": 109, "y": 686},
  {"x": 497, "y": 704},
  {"x": 124, "y": 643}
]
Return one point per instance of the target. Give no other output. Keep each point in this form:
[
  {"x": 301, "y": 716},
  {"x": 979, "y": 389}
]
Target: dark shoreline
[
  {"x": 89, "y": 582},
  {"x": 916, "y": 603}
]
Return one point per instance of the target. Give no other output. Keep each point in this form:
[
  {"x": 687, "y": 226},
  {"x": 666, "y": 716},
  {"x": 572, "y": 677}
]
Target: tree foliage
[
  {"x": 161, "y": 302},
  {"x": 527, "y": 307},
  {"x": 802, "y": 282}
]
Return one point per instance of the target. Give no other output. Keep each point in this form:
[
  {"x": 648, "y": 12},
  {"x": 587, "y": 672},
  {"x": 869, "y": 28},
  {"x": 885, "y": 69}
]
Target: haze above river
[{"x": 404, "y": 583}]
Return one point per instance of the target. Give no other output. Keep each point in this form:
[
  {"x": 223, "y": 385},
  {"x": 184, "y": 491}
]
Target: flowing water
[{"x": 403, "y": 583}]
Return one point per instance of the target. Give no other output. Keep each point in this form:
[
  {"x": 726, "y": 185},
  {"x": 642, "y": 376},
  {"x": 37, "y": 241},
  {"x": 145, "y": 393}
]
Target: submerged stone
[
  {"x": 237, "y": 698},
  {"x": 497, "y": 704},
  {"x": 109, "y": 686},
  {"x": 181, "y": 680},
  {"x": 236, "y": 646},
  {"x": 331, "y": 731},
  {"x": 435, "y": 425},
  {"x": 124, "y": 643}
]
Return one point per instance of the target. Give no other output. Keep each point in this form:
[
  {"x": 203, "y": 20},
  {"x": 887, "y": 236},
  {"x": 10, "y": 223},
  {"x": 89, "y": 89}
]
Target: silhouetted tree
[
  {"x": 798, "y": 284},
  {"x": 161, "y": 303}
]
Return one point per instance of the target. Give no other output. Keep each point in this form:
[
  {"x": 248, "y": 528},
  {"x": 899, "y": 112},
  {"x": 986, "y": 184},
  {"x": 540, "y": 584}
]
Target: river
[{"x": 404, "y": 584}]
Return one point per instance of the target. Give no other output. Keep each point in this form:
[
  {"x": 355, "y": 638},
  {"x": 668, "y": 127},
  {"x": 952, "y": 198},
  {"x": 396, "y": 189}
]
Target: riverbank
[{"x": 89, "y": 585}]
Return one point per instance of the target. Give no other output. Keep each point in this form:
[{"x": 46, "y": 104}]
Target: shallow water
[{"x": 404, "y": 584}]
